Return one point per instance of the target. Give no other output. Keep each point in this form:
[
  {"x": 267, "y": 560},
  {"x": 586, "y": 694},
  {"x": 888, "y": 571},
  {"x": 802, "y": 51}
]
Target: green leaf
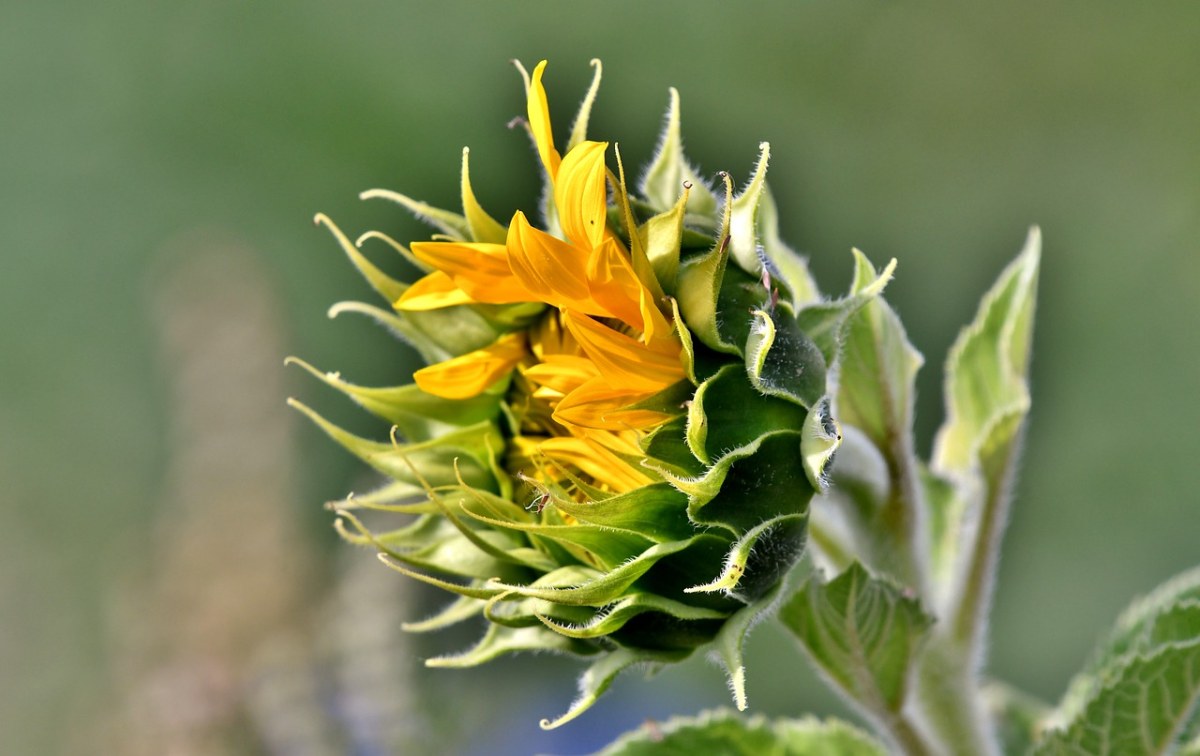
[
  {"x": 725, "y": 733},
  {"x": 877, "y": 371},
  {"x": 986, "y": 389},
  {"x": 782, "y": 361},
  {"x": 862, "y": 632},
  {"x": 669, "y": 170},
  {"x": 1170, "y": 613},
  {"x": 1140, "y": 709}
]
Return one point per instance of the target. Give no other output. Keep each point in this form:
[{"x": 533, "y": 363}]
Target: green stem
[
  {"x": 905, "y": 514},
  {"x": 970, "y": 611},
  {"x": 908, "y": 738},
  {"x": 949, "y": 702},
  {"x": 948, "y": 679}
]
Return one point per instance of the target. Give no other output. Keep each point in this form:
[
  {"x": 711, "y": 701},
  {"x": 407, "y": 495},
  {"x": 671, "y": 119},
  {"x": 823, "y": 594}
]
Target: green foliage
[
  {"x": 724, "y": 733},
  {"x": 862, "y": 632},
  {"x": 794, "y": 417},
  {"x": 1139, "y": 692}
]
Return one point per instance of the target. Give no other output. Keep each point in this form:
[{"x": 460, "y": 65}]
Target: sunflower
[{"x": 624, "y": 414}]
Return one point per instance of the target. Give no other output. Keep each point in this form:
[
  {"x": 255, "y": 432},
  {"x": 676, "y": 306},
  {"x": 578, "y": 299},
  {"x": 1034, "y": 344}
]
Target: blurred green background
[{"x": 168, "y": 577}]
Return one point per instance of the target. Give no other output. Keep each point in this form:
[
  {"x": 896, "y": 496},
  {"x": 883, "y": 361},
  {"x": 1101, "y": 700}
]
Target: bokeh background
[{"x": 168, "y": 580}]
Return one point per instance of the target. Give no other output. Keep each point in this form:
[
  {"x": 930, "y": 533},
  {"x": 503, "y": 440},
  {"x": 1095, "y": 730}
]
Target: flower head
[{"x": 613, "y": 447}]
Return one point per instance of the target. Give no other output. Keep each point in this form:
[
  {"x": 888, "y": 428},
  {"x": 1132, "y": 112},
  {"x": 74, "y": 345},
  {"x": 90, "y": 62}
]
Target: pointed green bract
[
  {"x": 783, "y": 261},
  {"x": 782, "y": 361},
  {"x": 877, "y": 368},
  {"x": 386, "y": 286},
  {"x": 662, "y": 236},
  {"x": 601, "y": 674},
  {"x": 669, "y": 170},
  {"x": 728, "y": 414},
  {"x": 698, "y": 295},
  {"x": 418, "y": 415},
  {"x": 819, "y": 442},
  {"x": 825, "y": 322},
  {"x": 452, "y": 224},
  {"x": 743, "y": 222},
  {"x": 481, "y": 227}
]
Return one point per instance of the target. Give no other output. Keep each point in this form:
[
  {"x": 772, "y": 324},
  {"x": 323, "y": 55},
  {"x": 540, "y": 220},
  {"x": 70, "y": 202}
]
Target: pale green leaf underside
[
  {"x": 724, "y": 733},
  {"x": 1140, "y": 710},
  {"x": 987, "y": 367},
  {"x": 862, "y": 632}
]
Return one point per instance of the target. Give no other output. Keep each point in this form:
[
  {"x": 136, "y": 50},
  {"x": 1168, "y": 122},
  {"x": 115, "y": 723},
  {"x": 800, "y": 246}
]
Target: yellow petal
[
  {"x": 562, "y": 373},
  {"x": 594, "y": 460},
  {"x": 539, "y": 121},
  {"x": 481, "y": 270},
  {"x": 551, "y": 337},
  {"x": 616, "y": 287},
  {"x": 581, "y": 194},
  {"x": 553, "y": 270},
  {"x": 432, "y": 292},
  {"x": 598, "y": 405},
  {"x": 468, "y": 375},
  {"x": 624, "y": 361}
]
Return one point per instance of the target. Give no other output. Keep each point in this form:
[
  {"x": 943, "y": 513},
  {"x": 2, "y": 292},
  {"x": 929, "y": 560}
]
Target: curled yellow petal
[
  {"x": 597, "y": 405},
  {"x": 432, "y": 292},
  {"x": 481, "y": 270},
  {"x": 581, "y": 194},
  {"x": 553, "y": 270},
  {"x": 624, "y": 361},
  {"x": 470, "y": 374},
  {"x": 561, "y": 373},
  {"x": 539, "y": 121},
  {"x": 615, "y": 286},
  {"x": 594, "y": 460}
]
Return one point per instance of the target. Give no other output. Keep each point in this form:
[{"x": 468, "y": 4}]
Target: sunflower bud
[{"x": 625, "y": 413}]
